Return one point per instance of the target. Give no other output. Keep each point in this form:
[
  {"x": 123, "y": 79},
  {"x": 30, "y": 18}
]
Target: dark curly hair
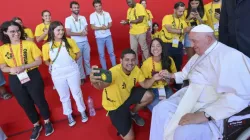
[{"x": 4, "y": 28}]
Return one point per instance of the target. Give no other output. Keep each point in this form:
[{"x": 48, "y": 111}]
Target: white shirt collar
[
  {"x": 103, "y": 12},
  {"x": 211, "y": 47}
]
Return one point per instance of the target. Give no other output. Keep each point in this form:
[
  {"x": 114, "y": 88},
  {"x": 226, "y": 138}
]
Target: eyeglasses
[{"x": 13, "y": 31}]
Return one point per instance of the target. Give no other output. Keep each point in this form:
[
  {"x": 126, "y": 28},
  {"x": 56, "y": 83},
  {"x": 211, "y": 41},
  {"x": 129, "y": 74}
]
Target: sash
[{"x": 186, "y": 105}]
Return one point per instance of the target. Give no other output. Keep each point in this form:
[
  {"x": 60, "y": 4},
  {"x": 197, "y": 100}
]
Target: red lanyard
[{"x": 21, "y": 54}]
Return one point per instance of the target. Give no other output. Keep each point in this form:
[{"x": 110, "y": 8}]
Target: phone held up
[{"x": 106, "y": 75}]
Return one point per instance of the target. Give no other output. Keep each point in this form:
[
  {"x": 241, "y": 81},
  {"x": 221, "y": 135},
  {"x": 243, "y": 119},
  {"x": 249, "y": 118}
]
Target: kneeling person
[{"x": 121, "y": 93}]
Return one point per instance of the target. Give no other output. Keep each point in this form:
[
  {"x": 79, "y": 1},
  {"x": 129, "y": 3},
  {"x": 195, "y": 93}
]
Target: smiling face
[
  {"x": 75, "y": 9},
  {"x": 59, "y": 32},
  {"x": 13, "y": 33},
  {"x": 156, "y": 48},
  {"x": 46, "y": 17},
  {"x": 128, "y": 62},
  {"x": 200, "y": 42}
]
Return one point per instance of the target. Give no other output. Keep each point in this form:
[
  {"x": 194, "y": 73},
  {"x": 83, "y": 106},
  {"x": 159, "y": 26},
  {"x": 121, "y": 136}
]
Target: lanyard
[
  {"x": 79, "y": 20},
  {"x": 21, "y": 54},
  {"x": 178, "y": 25},
  {"x": 134, "y": 13},
  {"x": 99, "y": 20},
  {"x": 57, "y": 53}
]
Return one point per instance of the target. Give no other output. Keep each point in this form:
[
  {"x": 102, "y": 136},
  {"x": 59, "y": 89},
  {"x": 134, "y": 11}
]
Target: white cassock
[{"x": 219, "y": 84}]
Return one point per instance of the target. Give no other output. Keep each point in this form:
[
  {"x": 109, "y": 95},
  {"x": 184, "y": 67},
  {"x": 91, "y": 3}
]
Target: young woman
[
  {"x": 28, "y": 34},
  {"x": 41, "y": 32},
  {"x": 158, "y": 61},
  {"x": 21, "y": 58},
  {"x": 194, "y": 16},
  {"x": 149, "y": 19},
  {"x": 155, "y": 32},
  {"x": 61, "y": 53}
]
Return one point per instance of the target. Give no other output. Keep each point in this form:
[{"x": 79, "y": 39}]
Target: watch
[{"x": 208, "y": 116}]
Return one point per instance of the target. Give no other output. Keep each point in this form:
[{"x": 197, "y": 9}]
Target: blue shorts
[
  {"x": 187, "y": 42},
  {"x": 2, "y": 80}
]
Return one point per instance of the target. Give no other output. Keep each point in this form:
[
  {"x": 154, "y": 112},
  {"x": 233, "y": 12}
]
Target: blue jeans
[
  {"x": 85, "y": 55},
  {"x": 101, "y": 42},
  {"x": 2, "y": 80},
  {"x": 156, "y": 100}
]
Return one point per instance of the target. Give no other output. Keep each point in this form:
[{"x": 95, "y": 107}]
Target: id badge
[
  {"x": 162, "y": 93},
  {"x": 175, "y": 43},
  {"x": 23, "y": 77},
  {"x": 216, "y": 27}
]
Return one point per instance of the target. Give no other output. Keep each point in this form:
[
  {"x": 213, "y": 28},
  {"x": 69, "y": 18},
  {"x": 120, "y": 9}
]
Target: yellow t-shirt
[
  {"x": 30, "y": 53},
  {"x": 149, "y": 14},
  {"x": 210, "y": 10},
  {"x": 29, "y": 32},
  {"x": 39, "y": 30},
  {"x": 156, "y": 35},
  {"x": 119, "y": 90},
  {"x": 133, "y": 14},
  {"x": 72, "y": 51},
  {"x": 177, "y": 23},
  {"x": 204, "y": 18},
  {"x": 148, "y": 67}
]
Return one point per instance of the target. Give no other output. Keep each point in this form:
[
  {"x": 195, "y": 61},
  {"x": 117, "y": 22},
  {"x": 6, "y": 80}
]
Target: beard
[{"x": 75, "y": 12}]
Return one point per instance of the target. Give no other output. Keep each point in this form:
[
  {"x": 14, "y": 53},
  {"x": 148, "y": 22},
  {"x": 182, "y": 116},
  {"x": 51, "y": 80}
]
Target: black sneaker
[
  {"x": 36, "y": 132},
  {"x": 138, "y": 120},
  {"x": 48, "y": 129}
]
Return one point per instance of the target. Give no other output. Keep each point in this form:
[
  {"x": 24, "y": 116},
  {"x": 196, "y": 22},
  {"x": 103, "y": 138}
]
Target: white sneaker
[
  {"x": 84, "y": 117},
  {"x": 71, "y": 120}
]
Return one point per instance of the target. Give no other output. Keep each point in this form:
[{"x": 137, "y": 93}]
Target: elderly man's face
[{"x": 199, "y": 42}]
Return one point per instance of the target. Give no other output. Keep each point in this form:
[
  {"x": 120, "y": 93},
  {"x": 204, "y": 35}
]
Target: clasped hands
[
  {"x": 17, "y": 70},
  {"x": 162, "y": 75}
]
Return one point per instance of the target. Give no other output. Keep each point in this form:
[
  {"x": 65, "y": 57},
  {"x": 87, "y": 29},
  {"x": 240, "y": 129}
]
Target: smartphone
[
  {"x": 194, "y": 10},
  {"x": 217, "y": 10},
  {"x": 193, "y": 23},
  {"x": 106, "y": 75}
]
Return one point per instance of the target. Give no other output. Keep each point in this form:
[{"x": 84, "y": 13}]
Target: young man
[
  {"x": 76, "y": 27},
  {"x": 172, "y": 34},
  {"x": 101, "y": 23},
  {"x": 136, "y": 18},
  {"x": 173, "y": 29},
  {"x": 213, "y": 15},
  {"x": 121, "y": 93}
]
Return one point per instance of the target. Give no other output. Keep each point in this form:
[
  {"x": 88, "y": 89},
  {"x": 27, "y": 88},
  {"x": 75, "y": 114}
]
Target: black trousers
[
  {"x": 30, "y": 94},
  {"x": 177, "y": 55}
]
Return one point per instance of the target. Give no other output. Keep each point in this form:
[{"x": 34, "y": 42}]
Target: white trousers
[
  {"x": 2, "y": 135},
  {"x": 65, "y": 78},
  {"x": 162, "y": 114}
]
